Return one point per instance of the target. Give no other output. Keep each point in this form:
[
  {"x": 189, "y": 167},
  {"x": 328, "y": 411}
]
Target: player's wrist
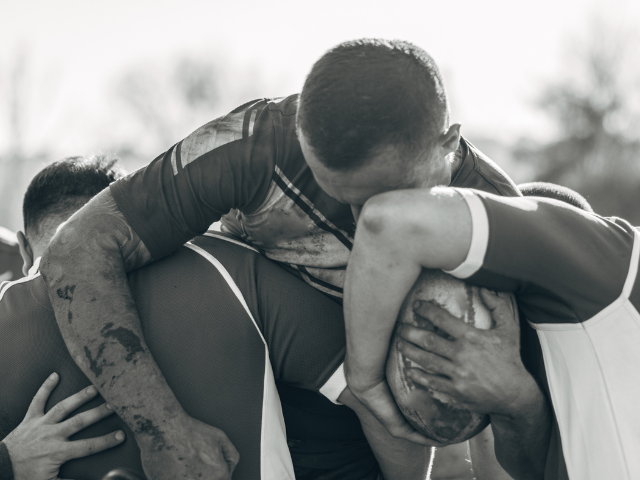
[{"x": 523, "y": 406}]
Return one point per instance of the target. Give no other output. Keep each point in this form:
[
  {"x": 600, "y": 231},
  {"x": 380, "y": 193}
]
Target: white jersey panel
[
  {"x": 275, "y": 458},
  {"x": 592, "y": 369}
]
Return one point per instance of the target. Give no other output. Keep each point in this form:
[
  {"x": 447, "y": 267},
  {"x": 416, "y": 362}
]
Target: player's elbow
[{"x": 399, "y": 213}]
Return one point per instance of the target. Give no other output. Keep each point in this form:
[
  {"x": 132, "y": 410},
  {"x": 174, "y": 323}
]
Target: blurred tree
[
  {"x": 16, "y": 164},
  {"x": 169, "y": 102},
  {"x": 596, "y": 110}
]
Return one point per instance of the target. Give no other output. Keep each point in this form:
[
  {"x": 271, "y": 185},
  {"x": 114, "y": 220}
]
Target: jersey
[
  {"x": 247, "y": 168},
  {"x": 574, "y": 277},
  {"x": 10, "y": 259},
  {"x": 224, "y": 325}
]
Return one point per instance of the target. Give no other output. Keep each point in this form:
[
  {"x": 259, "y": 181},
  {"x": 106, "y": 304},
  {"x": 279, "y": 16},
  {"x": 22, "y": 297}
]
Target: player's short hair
[
  {"x": 558, "y": 192},
  {"x": 62, "y": 188},
  {"x": 370, "y": 93}
]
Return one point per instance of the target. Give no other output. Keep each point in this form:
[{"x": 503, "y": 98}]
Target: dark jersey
[
  {"x": 574, "y": 276},
  {"x": 224, "y": 324},
  {"x": 10, "y": 259},
  {"x": 247, "y": 168}
]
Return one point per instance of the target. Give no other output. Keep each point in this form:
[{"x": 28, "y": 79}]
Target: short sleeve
[
  {"x": 564, "y": 264},
  {"x": 226, "y": 164}
]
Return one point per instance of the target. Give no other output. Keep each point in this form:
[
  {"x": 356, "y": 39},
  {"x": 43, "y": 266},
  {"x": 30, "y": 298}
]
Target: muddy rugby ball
[{"x": 434, "y": 414}]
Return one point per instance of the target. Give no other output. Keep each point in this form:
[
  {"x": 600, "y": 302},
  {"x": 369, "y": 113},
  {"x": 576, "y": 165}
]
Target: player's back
[{"x": 205, "y": 315}]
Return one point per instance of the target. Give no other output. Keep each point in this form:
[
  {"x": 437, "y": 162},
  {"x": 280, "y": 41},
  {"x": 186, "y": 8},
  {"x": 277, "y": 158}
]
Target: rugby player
[
  {"x": 574, "y": 276},
  {"x": 10, "y": 261},
  {"x": 372, "y": 117},
  {"x": 227, "y": 327}
]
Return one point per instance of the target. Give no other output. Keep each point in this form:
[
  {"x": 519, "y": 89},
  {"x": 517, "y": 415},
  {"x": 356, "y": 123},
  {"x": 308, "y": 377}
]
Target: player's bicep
[{"x": 430, "y": 228}]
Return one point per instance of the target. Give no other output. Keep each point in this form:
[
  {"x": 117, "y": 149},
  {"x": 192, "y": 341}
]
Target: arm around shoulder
[{"x": 85, "y": 271}]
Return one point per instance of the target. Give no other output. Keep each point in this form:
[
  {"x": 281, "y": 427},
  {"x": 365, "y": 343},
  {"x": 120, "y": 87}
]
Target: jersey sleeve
[
  {"x": 226, "y": 164},
  {"x": 565, "y": 265}
]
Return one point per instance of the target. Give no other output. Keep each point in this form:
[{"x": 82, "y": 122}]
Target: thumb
[
  {"x": 501, "y": 311},
  {"x": 231, "y": 455}
]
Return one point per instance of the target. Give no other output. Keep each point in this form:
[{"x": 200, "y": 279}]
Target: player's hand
[
  {"x": 40, "y": 444},
  {"x": 379, "y": 401},
  {"x": 480, "y": 369},
  {"x": 192, "y": 450}
]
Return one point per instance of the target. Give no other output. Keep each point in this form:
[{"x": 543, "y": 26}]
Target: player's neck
[{"x": 456, "y": 161}]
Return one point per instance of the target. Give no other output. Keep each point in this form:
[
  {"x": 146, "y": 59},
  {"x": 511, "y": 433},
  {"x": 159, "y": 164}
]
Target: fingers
[
  {"x": 428, "y": 361},
  {"x": 426, "y": 340},
  {"x": 501, "y": 310},
  {"x": 431, "y": 382},
  {"x": 89, "y": 446},
  {"x": 441, "y": 318},
  {"x": 68, "y": 405},
  {"x": 42, "y": 395},
  {"x": 83, "y": 420},
  {"x": 231, "y": 455}
]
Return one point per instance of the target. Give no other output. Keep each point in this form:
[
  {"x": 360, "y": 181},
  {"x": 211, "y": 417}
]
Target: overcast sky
[{"x": 494, "y": 54}]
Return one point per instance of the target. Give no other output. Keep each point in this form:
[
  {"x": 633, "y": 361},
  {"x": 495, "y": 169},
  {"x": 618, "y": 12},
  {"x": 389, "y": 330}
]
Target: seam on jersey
[
  {"x": 8, "y": 285},
  {"x": 229, "y": 279},
  {"x": 610, "y": 403},
  {"x": 308, "y": 278},
  {"x": 267, "y": 202},
  {"x": 554, "y": 395},
  {"x": 230, "y": 240},
  {"x": 266, "y": 393},
  {"x": 479, "y": 236},
  {"x": 617, "y": 303}
]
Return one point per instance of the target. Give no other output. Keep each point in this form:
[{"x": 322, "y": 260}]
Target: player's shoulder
[
  {"x": 479, "y": 172},
  {"x": 285, "y": 105},
  {"x": 20, "y": 298}
]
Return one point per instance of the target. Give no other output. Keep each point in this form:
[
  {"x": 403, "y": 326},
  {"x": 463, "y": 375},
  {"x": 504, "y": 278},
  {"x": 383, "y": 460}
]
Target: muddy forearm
[
  {"x": 85, "y": 270},
  {"x": 398, "y": 459},
  {"x": 522, "y": 439}
]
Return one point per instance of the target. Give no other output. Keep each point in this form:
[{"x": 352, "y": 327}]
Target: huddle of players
[{"x": 283, "y": 167}]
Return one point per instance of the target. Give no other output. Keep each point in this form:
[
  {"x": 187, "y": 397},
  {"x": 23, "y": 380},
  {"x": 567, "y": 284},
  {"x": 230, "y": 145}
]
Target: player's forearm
[
  {"x": 483, "y": 457},
  {"x": 522, "y": 437},
  {"x": 85, "y": 272},
  {"x": 378, "y": 279},
  {"x": 398, "y": 459}
]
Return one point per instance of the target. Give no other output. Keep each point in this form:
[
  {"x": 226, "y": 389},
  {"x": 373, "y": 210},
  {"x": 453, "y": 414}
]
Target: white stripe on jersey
[
  {"x": 335, "y": 385},
  {"x": 479, "y": 237},
  {"x": 7, "y": 285},
  {"x": 275, "y": 458},
  {"x": 295, "y": 190},
  {"x": 214, "y": 234},
  {"x": 592, "y": 369}
]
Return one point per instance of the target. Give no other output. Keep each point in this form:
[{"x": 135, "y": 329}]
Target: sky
[{"x": 494, "y": 55}]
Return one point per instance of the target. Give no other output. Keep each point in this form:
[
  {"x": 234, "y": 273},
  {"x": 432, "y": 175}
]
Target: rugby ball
[{"x": 436, "y": 415}]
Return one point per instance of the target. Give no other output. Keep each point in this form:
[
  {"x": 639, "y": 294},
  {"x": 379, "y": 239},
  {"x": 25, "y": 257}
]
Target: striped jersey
[
  {"x": 574, "y": 277},
  {"x": 230, "y": 330},
  {"x": 247, "y": 169}
]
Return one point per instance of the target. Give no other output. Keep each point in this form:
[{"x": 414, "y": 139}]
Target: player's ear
[
  {"x": 450, "y": 139},
  {"x": 25, "y": 251}
]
